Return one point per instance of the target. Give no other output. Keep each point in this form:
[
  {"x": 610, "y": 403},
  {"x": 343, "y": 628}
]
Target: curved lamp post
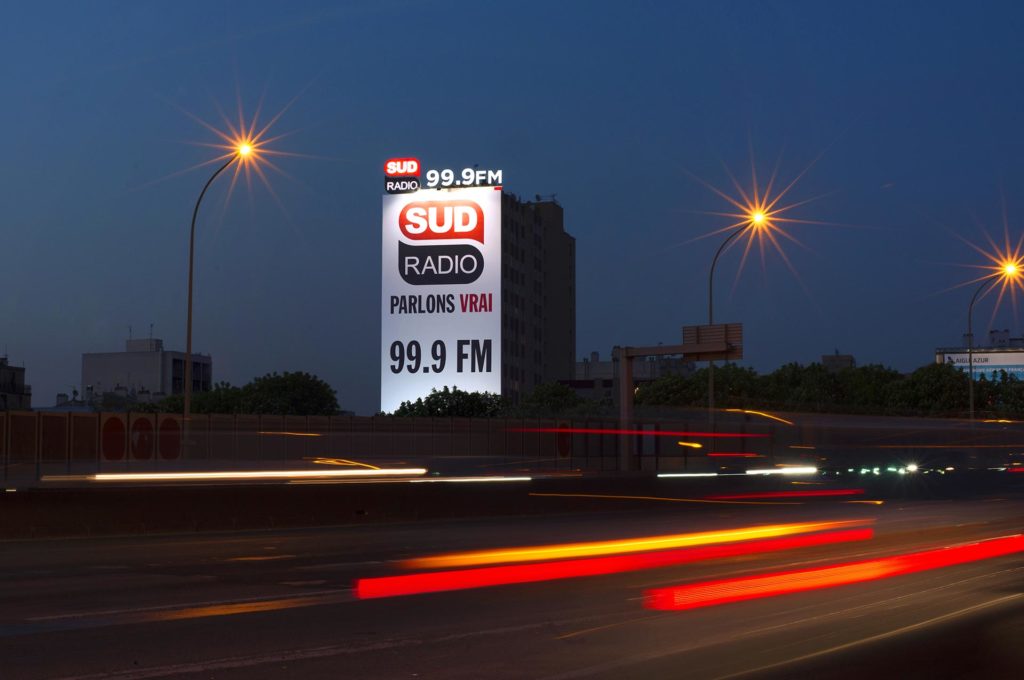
[
  {"x": 242, "y": 151},
  {"x": 756, "y": 220},
  {"x": 1009, "y": 270}
]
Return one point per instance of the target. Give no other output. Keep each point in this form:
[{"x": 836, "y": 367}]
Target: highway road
[{"x": 281, "y": 604}]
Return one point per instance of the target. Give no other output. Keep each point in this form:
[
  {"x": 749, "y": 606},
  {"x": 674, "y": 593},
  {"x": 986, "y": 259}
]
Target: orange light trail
[
  {"x": 628, "y": 545},
  {"x": 480, "y": 577},
  {"x": 759, "y": 413},
  {"x": 722, "y": 454},
  {"x": 290, "y": 434},
  {"x": 652, "y": 433},
  {"x": 818, "y": 493},
  {"x": 709, "y": 593},
  {"x": 321, "y": 460}
]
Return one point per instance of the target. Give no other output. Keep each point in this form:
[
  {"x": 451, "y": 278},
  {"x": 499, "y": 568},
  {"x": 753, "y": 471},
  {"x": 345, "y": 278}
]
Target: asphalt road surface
[{"x": 281, "y": 604}]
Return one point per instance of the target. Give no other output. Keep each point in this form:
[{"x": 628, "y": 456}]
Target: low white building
[{"x": 144, "y": 368}]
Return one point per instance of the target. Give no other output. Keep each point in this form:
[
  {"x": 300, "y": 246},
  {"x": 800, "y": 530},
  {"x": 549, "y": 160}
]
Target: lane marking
[
  {"x": 880, "y": 636},
  {"x": 244, "y": 608},
  {"x": 239, "y": 662},
  {"x": 575, "y": 633},
  {"x": 249, "y": 661},
  {"x": 259, "y": 558},
  {"x": 731, "y": 636},
  {"x": 338, "y": 565},
  {"x": 166, "y": 607},
  {"x": 659, "y": 498}
]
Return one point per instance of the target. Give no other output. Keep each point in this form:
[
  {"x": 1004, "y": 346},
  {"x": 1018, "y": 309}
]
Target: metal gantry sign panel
[
  {"x": 440, "y": 293},
  {"x": 728, "y": 334}
]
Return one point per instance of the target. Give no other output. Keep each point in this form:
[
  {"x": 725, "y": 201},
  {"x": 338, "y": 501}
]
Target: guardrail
[{"x": 33, "y": 444}]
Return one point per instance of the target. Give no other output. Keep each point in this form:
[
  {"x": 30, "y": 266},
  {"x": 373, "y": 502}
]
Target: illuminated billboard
[
  {"x": 440, "y": 290},
  {"x": 987, "y": 363}
]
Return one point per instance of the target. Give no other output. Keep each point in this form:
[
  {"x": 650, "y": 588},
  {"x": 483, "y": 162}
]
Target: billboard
[
  {"x": 986, "y": 364},
  {"x": 440, "y": 292}
]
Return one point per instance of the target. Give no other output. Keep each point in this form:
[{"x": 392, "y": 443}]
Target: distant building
[
  {"x": 594, "y": 378},
  {"x": 997, "y": 340},
  {"x": 998, "y": 353},
  {"x": 66, "y": 404},
  {"x": 144, "y": 371},
  {"x": 15, "y": 395},
  {"x": 837, "y": 362},
  {"x": 538, "y": 296}
]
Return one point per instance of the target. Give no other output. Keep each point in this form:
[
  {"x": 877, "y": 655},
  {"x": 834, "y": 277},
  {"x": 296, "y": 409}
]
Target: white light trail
[{"x": 785, "y": 471}]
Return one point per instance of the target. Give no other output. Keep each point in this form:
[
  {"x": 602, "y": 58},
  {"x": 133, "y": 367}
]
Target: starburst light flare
[
  {"x": 762, "y": 215},
  {"x": 1003, "y": 269}
]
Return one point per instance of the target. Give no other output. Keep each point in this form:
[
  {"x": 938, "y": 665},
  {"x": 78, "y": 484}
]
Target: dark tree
[
  {"x": 935, "y": 389},
  {"x": 298, "y": 394},
  {"x": 548, "y": 401},
  {"x": 454, "y": 403}
]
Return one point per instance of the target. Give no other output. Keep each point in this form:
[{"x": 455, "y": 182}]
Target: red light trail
[
  {"x": 462, "y": 579},
  {"x": 709, "y": 593}
]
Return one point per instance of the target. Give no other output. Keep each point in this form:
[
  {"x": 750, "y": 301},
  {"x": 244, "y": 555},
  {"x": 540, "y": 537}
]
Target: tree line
[
  {"x": 932, "y": 390},
  {"x": 937, "y": 390},
  {"x": 289, "y": 393}
]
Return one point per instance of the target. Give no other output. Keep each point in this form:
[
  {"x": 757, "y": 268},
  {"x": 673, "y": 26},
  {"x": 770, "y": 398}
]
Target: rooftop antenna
[
  {"x": 129, "y": 332},
  {"x": 150, "y": 331}
]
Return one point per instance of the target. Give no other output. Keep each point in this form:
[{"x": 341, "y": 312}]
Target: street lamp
[
  {"x": 243, "y": 150},
  {"x": 1008, "y": 271},
  {"x": 756, "y": 219}
]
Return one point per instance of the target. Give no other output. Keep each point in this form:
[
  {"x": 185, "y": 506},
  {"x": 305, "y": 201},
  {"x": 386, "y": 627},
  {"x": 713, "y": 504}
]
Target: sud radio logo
[
  {"x": 440, "y": 221},
  {"x": 401, "y": 175}
]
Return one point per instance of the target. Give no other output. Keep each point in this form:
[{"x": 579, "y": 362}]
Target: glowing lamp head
[
  {"x": 757, "y": 218},
  {"x": 1010, "y": 269},
  {"x": 244, "y": 149}
]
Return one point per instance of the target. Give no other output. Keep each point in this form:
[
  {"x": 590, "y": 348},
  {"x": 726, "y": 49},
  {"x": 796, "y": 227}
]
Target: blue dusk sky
[{"x": 906, "y": 116}]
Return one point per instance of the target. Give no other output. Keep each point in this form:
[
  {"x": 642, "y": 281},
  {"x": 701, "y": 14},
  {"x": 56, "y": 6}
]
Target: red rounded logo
[
  {"x": 442, "y": 220},
  {"x": 401, "y": 167}
]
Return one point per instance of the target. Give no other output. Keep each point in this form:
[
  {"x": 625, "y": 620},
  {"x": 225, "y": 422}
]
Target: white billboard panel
[
  {"x": 987, "y": 364},
  {"x": 440, "y": 293}
]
